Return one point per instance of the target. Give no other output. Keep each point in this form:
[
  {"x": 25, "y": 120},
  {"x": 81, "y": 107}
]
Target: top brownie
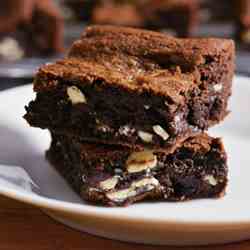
[{"x": 134, "y": 87}]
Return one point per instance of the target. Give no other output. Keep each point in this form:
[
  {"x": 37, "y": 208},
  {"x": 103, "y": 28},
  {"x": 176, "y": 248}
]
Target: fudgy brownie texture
[
  {"x": 117, "y": 176},
  {"x": 134, "y": 88},
  {"x": 179, "y": 17},
  {"x": 29, "y": 28}
]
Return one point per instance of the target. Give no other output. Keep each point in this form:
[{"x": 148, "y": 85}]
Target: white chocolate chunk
[
  {"x": 75, "y": 95},
  {"x": 211, "y": 180},
  {"x": 161, "y": 132},
  {"x": 140, "y": 161},
  {"x": 145, "y": 136},
  {"x": 136, "y": 188},
  {"x": 110, "y": 183}
]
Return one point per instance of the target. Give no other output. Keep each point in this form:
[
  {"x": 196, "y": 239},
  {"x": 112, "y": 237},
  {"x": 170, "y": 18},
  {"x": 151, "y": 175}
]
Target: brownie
[
  {"x": 116, "y": 176},
  {"x": 134, "y": 88},
  {"x": 179, "y": 17},
  {"x": 217, "y": 11},
  {"x": 29, "y": 28},
  {"x": 82, "y": 9},
  {"x": 123, "y": 13},
  {"x": 243, "y": 22}
]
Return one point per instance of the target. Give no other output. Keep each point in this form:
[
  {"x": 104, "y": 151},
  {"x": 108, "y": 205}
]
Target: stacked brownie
[
  {"x": 127, "y": 110},
  {"x": 29, "y": 28}
]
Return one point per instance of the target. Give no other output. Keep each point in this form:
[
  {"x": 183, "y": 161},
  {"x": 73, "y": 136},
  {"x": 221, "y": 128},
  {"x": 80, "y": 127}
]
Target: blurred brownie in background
[
  {"x": 81, "y": 9},
  {"x": 243, "y": 21},
  {"x": 217, "y": 11},
  {"x": 177, "y": 16},
  {"x": 124, "y": 13},
  {"x": 29, "y": 28}
]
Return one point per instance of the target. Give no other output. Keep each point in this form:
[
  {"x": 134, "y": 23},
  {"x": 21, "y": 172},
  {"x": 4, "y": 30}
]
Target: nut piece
[
  {"x": 146, "y": 183},
  {"x": 126, "y": 130},
  {"x": 140, "y": 161},
  {"x": 211, "y": 180},
  {"x": 136, "y": 188},
  {"x": 109, "y": 183},
  {"x": 121, "y": 195},
  {"x": 75, "y": 95},
  {"x": 218, "y": 87},
  {"x": 145, "y": 136},
  {"x": 161, "y": 132}
]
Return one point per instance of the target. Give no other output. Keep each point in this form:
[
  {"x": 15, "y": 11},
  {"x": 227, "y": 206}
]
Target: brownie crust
[
  {"x": 117, "y": 176},
  {"x": 135, "y": 88}
]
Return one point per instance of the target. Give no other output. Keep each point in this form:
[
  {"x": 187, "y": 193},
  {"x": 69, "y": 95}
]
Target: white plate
[
  {"x": 196, "y": 222},
  {"x": 24, "y": 68}
]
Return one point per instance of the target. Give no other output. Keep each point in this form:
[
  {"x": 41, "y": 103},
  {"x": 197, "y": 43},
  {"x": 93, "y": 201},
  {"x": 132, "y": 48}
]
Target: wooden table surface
[{"x": 23, "y": 227}]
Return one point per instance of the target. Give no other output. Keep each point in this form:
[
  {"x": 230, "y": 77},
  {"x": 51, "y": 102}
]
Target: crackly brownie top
[{"x": 134, "y": 60}]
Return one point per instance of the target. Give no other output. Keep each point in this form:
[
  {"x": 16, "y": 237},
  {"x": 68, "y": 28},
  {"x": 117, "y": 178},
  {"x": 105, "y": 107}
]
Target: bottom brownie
[{"x": 117, "y": 176}]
